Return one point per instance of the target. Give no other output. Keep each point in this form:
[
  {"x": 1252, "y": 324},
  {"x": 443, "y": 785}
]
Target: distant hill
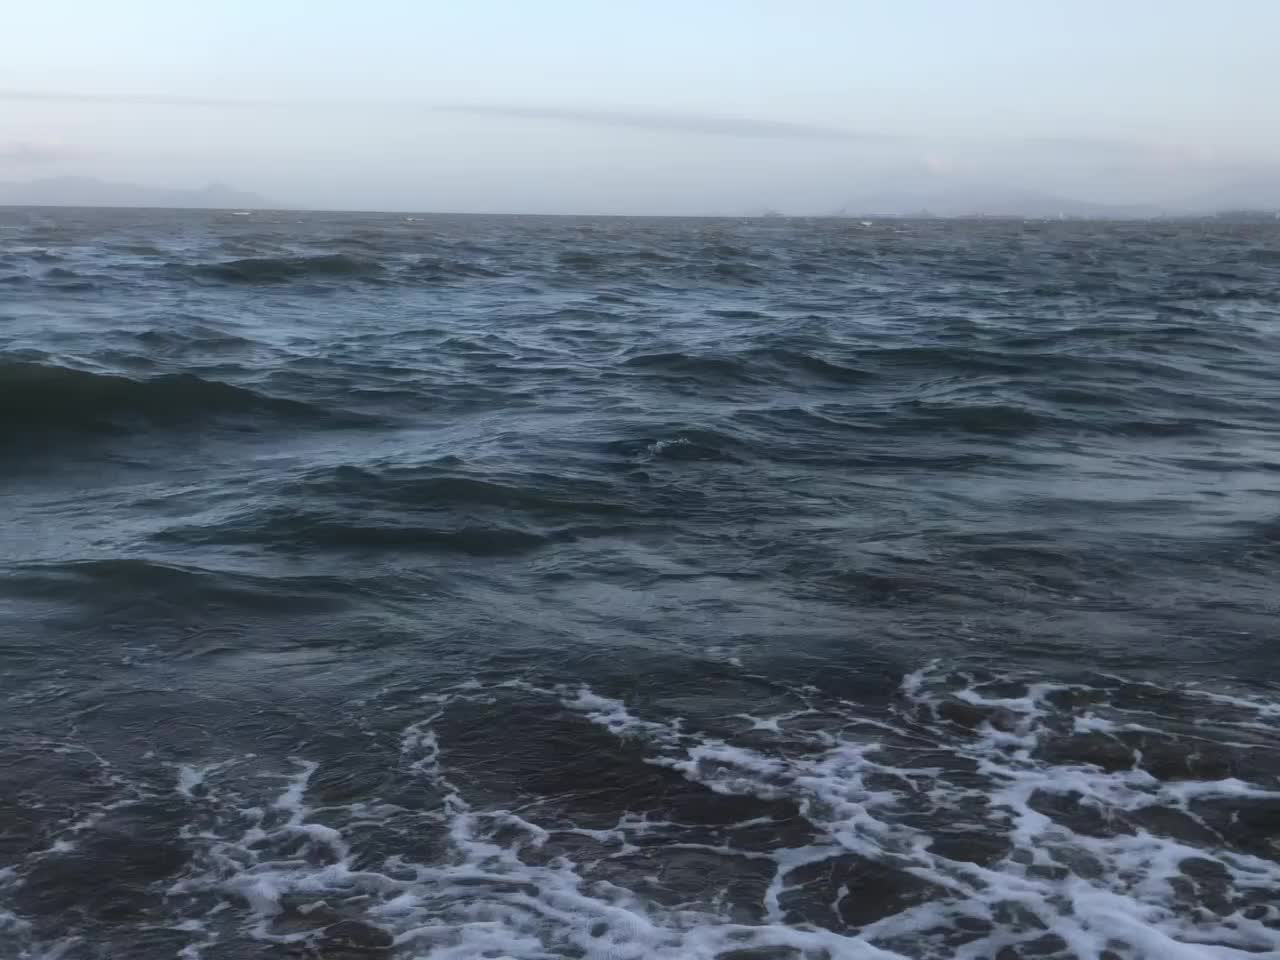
[
  {"x": 88, "y": 192},
  {"x": 970, "y": 200},
  {"x": 1252, "y": 194}
]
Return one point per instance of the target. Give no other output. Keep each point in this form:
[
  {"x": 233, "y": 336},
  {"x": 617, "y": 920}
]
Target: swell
[
  {"x": 1041, "y": 367},
  {"x": 294, "y": 530},
  {"x": 444, "y": 506},
  {"x": 445, "y": 269},
  {"x": 41, "y": 397},
  {"x": 446, "y": 488},
  {"x": 196, "y": 340},
  {"x": 96, "y": 584},
  {"x": 378, "y": 266},
  {"x": 761, "y": 364},
  {"x": 282, "y": 269},
  {"x": 680, "y": 365}
]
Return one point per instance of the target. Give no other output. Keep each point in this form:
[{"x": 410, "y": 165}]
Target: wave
[
  {"x": 938, "y": 358},
  {"x": 98, "y": 583},
  {"x": 1264, "y": 256},
  {"x": 690, "y": 366},
  {"x": 733, "y": 272},
  {"x": 442, "y": 270},
  {"x": 67, "y": 280},
  {"x": 755, "y": 365},
  {"x": 197, "y": 340},
  {"x": 41, "y": 256},
  {"x": 288, "y": 529},
  {"x": 1005, "y": 419},
  {"x": 283, "y": 269},
  {"x": 682, "y": 445},
  {"x": 811, "y": 364},
  {"x": 139, "y": 249},
  {"x": 42, "y": 397},
  {"x": 441, "y": 487},
  {"x": 738, "y": 314},
  {"x": 616, "y": 262}
]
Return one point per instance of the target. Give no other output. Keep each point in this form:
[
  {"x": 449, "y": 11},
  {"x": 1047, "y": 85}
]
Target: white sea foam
[
  {"x": 973, "y": 815},
  {"x": 1128, "y": 899}
]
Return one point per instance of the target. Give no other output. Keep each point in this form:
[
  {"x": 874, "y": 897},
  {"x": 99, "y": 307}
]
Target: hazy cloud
[
  {"x": 712, "y": 125},
  {"x": 709, "y": 125},
  {"x": 55, "y": 96},
  {"x": 30, "y": 154}
]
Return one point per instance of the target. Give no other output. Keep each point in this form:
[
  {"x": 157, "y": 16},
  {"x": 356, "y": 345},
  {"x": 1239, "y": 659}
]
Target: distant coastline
[{"x": 90, "y": 192}]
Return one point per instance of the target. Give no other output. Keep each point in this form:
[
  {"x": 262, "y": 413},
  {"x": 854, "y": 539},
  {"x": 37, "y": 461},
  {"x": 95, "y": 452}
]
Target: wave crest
[{"x": 44, "y": 397}]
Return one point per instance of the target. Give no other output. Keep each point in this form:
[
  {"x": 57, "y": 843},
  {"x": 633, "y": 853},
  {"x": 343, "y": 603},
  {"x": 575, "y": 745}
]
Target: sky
[{"x": 651, "y": 106}]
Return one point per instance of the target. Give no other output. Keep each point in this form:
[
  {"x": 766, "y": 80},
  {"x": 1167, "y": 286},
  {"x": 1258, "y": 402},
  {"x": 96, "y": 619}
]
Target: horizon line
[{"x": 1225, "y": 212}]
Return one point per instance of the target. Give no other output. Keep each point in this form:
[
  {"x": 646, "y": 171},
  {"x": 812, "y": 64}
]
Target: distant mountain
[
  {"x": 976, "y": 200},
  {"x": 88, "y": 192},
  {"x": 1253, "y": 193}
]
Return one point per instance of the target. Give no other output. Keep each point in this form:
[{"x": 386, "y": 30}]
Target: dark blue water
[{"x": 465, "y": 587}]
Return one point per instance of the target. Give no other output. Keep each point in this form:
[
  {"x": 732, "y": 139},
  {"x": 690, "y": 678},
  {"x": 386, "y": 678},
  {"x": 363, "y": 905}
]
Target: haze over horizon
[{"x": 807, "y": 107}]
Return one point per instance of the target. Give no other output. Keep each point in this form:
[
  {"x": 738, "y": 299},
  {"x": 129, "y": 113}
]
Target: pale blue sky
[{"x": 700, "y": 106}]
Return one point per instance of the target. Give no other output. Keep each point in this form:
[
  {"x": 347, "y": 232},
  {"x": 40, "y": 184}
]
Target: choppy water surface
[{"x": 539, "y": 588}]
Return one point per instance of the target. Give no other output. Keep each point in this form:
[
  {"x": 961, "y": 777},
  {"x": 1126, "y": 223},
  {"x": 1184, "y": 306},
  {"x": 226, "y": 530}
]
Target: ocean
[{"x": 516, "y": 587}]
